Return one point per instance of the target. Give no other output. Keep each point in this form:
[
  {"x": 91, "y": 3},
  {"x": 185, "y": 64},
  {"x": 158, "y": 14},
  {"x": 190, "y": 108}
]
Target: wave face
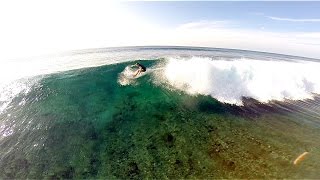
[
  {"x": 230, "y": 81},
  {"x": 225, "y": 74}
]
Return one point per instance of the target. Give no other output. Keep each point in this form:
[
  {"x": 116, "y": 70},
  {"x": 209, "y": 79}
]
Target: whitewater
[{"x": 230, "y": 81}]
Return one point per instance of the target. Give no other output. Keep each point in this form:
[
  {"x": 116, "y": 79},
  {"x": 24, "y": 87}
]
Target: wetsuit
[{"x": 143, "y": 68}]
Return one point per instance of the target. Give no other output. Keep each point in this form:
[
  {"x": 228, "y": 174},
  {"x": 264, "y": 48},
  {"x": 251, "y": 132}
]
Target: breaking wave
[{"x": 230, "y": 81}]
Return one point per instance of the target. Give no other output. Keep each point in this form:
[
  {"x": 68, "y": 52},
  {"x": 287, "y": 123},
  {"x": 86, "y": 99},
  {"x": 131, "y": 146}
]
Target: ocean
[{"x": 196, "y": 113}]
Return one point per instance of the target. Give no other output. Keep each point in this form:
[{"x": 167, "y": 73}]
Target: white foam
[
  {"x": 229, "y": 81},
  {"x": 126, "y": 77}
]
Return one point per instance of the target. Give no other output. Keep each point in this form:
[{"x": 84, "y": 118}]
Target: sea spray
[
  {"x": 126, "y": 77},
  {"x": 230, "y": 81}
]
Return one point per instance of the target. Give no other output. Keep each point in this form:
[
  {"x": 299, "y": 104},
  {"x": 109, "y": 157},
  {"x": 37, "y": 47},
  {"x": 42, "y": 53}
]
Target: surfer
[{"x": 141, "y": 69}]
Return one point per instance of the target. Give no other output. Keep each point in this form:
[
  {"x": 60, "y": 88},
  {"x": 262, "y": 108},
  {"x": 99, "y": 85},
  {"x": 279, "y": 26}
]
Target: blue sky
[
  {"x": 38, "y": 27},
  {"x": 243, "y": 14}
]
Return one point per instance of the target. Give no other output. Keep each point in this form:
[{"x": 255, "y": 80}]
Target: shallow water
[{"x": 84, "y": 124}]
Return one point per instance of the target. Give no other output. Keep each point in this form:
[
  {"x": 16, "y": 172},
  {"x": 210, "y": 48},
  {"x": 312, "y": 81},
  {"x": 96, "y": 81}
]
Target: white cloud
[
  {"x": 223, "y": 35},
  {"x": 293, "y": 20},
  {"x": 36, "y": 27},
  {"x": 310, "y": 35},
  {"x": 204, "y": 24}
]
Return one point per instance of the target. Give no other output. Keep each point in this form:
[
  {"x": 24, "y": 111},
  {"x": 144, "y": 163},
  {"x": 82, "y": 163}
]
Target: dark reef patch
[
  {"x": 169, "y": 139},
  {"x": 133, "y": 170}
]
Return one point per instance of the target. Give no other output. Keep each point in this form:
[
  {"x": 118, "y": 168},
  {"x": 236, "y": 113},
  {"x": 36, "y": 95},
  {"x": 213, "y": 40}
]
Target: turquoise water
[{"x": 84, "y": 124}]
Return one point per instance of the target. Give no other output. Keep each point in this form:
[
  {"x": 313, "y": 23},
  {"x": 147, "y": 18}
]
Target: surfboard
[{"x": 127, "y": 77}]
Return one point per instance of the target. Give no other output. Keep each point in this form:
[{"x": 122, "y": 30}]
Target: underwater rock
[
  {"x": 68, "y": 173},
  {"x": 16, "y": 168},
  {"x": 191, "y": 164},
  {"x": 133, "y": 170},
  {"x": 159, "y": 117},
  {"x": 178, "y": 162},
  {"x": 151, "y": 147},
  {"x": 94, "y": 166},
  {"x": 211, "y": 128},
  {"x": 169, "y": 140},
  {"x": 54, "y": 177},
  {"x": 215, "y": 151},
  {"x": 208, "y": 105},
  {"x": 131, "y": 95},
  {"x": 92, "y": 134},
  {"x": 22, "y": 165},
  {"x": 230, "y": 165}
]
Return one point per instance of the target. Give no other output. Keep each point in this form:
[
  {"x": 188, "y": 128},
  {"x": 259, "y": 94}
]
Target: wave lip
[{"x": 230, "y": 81}]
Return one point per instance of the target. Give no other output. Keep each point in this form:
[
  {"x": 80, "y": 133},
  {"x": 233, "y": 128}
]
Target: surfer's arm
[{"x": 137, "y": 72}]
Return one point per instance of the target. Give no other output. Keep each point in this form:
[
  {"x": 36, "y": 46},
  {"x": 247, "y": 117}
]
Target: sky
[{"x": 38, "y": 27}]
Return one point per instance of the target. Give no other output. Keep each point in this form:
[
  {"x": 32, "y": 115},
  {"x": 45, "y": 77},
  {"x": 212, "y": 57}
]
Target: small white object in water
[{"x": 300, "y": 158}]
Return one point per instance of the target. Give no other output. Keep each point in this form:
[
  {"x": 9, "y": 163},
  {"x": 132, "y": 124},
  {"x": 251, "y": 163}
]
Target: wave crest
[{"x": 230, "y": 81}]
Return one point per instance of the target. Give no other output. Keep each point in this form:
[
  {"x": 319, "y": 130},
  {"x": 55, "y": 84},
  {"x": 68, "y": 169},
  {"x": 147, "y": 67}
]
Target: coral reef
[{"x": 86, "y": 126}]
